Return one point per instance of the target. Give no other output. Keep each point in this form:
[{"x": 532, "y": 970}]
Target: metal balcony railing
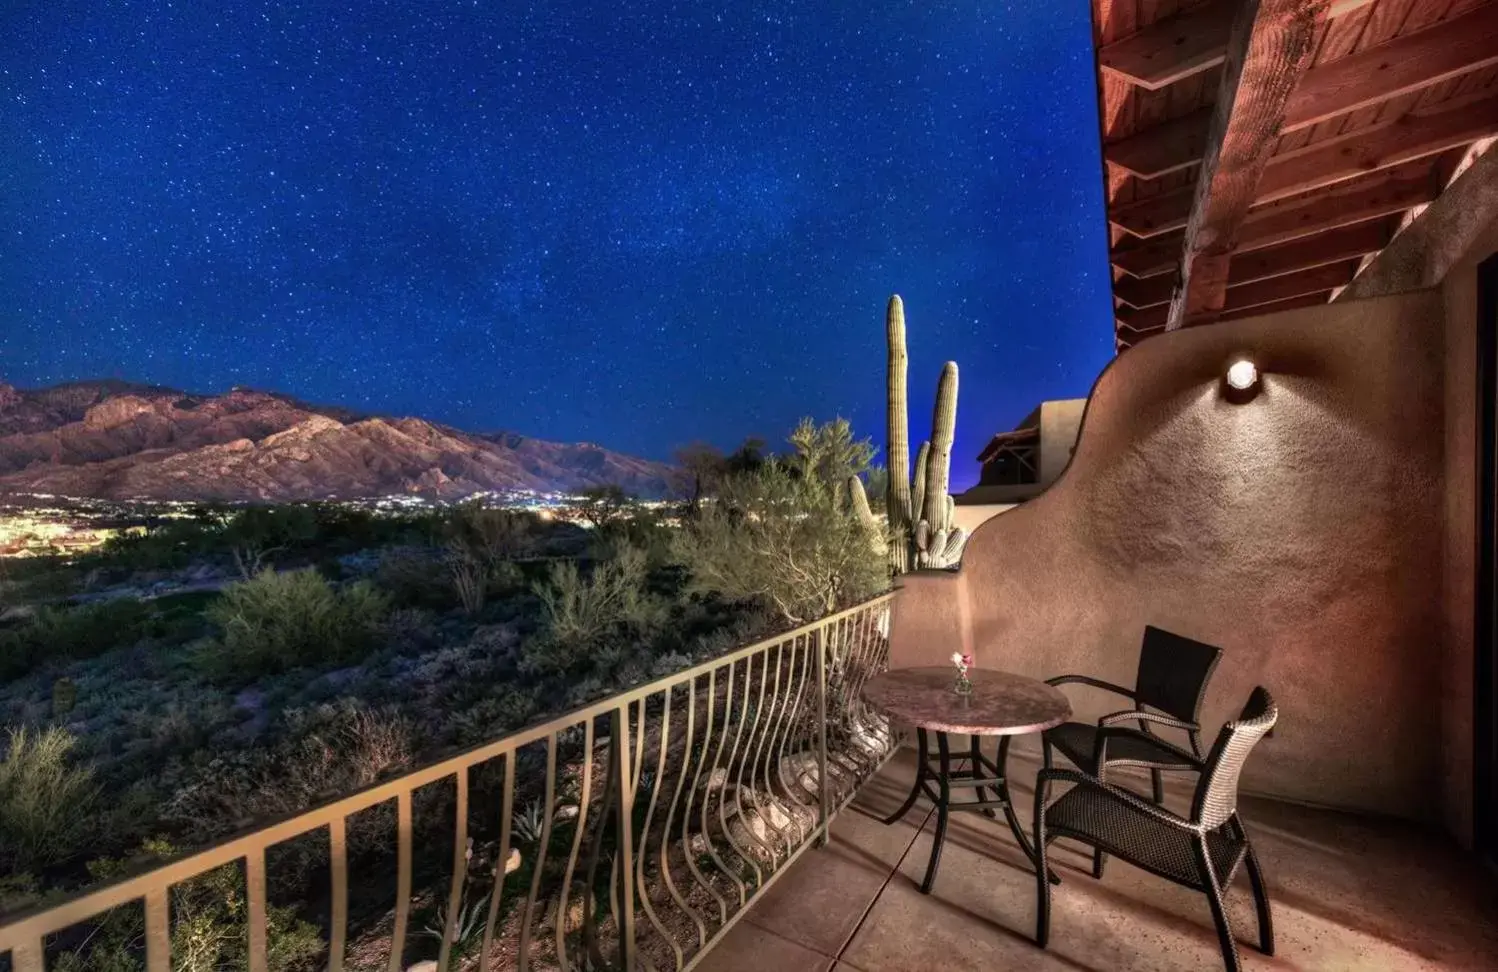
[{"x": 631, "y": 833}]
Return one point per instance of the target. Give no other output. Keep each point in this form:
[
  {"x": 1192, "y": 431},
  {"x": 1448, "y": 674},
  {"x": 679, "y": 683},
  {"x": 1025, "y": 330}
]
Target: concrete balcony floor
[{"x": 1348, "y": 892}]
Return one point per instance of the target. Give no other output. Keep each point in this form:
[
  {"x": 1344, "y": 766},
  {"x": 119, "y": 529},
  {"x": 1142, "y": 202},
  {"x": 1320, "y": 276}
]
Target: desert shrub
[
  {"x": 496, "y": 713},
  {"x": 328, "y": 751},
  {"x": 782, "y": 538},
  {"x": 209, "y": 915},
  {"x": 644, "y": 530},
  {"x": 45, "y": 800},
  {"x": 279, "y": 621},
  {"x": 481, "y": 545},
  {"x": 415, "y": 577},
  {"x": 255, "y": 534},
  {"x": 66, "y": 634},
  {"x": 592, "y": 618},
  {"x": 489, "y": 534},
  {"x": 156, "y": 546}
]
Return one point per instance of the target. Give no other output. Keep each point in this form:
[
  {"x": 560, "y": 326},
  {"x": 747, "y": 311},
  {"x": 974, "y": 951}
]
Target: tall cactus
[
  {"x": 921, "y": 531},
  {"x": 897, "y": 428}
]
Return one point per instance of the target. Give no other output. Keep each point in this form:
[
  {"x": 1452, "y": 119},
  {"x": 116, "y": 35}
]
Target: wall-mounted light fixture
[{"x": 1242, "y": 380}]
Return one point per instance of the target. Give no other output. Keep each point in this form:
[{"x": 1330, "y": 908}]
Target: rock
[
  {"x": 427, "y": 965},
  {"x": 566, "y": 811},
  {"x": 512, "y": 863}
]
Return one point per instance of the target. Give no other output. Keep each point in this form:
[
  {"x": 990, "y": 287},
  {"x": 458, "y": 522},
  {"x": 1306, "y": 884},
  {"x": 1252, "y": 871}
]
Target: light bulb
[{"x": 1242, "y": 375}]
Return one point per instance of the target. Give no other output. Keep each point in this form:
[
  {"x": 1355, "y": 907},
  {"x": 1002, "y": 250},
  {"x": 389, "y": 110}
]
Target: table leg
[
  {"x": 920, "y": 777},
  {"x": 942, "y": 805}
]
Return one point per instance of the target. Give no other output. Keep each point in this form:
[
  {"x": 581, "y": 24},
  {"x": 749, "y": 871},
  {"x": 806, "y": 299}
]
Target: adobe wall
[{"x": 1302, "y": 532}]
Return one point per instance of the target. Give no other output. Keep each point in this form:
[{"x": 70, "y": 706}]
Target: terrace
[{"x": 1303, "y": 185}]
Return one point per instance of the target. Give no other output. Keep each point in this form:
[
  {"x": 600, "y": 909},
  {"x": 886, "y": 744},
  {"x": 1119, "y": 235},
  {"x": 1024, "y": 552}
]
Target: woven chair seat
[
  {"x": 1077, "y": 739},
  {"x": 1091, "y": 815}
]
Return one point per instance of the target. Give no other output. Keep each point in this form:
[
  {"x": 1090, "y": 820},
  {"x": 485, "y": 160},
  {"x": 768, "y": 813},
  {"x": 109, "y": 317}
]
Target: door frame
[{"x": 1485, "y": 643}]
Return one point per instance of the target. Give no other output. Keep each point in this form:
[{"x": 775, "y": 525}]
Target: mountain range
[{"x": 117, "y": 440}]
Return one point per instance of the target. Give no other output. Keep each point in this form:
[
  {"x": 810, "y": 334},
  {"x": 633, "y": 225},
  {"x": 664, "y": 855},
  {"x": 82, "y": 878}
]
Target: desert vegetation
[{"x": 241, "y": 664}]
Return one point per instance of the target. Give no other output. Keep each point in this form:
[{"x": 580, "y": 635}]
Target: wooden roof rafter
[{"x": 1225, "y": 209}]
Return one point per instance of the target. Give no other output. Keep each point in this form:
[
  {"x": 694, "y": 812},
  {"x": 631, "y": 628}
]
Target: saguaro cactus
[
  {"x": 921, "y": 532},
  {"x": 897, "y": 429}
]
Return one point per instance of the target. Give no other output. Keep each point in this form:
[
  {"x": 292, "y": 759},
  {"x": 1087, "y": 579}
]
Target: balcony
[{"x": 1348, "y": 891}]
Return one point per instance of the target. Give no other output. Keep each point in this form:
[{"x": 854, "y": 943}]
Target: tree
[
  {"x": 748, "y": 457},
  {"x": 605, "y": 505},
  {"x": 256, "y": 532},
  {"x": 777, "y": 536},
  {"x": 829, "y": 453},
  {"x": 704, "y": 465}
]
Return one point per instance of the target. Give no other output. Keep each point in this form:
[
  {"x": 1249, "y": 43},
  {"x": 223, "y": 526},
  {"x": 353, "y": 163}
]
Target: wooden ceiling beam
[
  {"x": 1345, "y": 243},
  {"x": 1182, "y": 45},
  {"x": 1408, "y": 139},
  {"x": 1154, "y": 215},
  {"x": 1171, "y": 49},
  {"x": 1337, "y": 246},
  {"x": 1142, "y": 321},
  {"x": 1272, "y": 42},
  {"x": 1445, "y": 50},
  {"x": 1147, "y": 258},
  {"x": 1293, "y": 303},
  {"x": 1392, "y": 191},
  {"x": 1162, "y": 149},
  {"x": 1149, "y": 292},
  {"x": 1411, "y": 137},
  {"x": 1316, "y": 281}
]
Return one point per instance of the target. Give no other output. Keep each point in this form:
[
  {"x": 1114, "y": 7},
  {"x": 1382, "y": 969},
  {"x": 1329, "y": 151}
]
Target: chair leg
[
  {"x": 1261, "y": 901},
  {"x": 1215, "y": 898},
  {"x": 1042, "y": 885},
  {"x": 1099, "y": 859},
  {"x": 1157, "y": 780},
  {"x": 1045, "y": 751}
]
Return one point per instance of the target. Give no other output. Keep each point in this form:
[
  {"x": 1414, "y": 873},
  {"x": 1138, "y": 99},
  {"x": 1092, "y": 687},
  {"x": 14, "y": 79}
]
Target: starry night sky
[{"x": 633, "y": 222}]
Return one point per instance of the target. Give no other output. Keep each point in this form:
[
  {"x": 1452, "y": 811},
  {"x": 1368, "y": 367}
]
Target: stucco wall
[
  {"x": 1300, "y": 531},
  {"x": 970, "y": 517},
  {"x": 1059, "y": 422}
]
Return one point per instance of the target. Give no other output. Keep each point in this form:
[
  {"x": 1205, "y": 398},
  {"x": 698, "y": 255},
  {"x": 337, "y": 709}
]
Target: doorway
[{"x": 1485, "y": 749}]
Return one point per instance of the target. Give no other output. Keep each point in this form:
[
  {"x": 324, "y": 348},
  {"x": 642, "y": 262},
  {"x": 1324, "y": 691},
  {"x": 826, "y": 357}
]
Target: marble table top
[{"x": 1001, "y": 703}]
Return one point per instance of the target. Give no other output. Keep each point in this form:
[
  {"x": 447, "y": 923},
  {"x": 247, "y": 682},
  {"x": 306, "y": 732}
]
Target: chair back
[
  {"x": 1173, "y": 672},
  {"x": 1217, "y": 791}
]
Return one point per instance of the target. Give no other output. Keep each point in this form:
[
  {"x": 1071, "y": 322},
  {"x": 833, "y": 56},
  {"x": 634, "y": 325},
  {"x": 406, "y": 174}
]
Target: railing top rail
[{"x": 26, "y": 927}]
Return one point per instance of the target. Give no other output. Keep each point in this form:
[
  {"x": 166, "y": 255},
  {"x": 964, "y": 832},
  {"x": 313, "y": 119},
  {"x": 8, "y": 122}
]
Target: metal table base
[{"x": 945, "y": 780}]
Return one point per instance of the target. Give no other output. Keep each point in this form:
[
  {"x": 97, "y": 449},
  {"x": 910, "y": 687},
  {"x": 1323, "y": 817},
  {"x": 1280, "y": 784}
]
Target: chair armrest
[
  {"x": 1105, "y": 733},
  {"x": 1046, "y": 777},
  {"x": 1094, "y": 682},
  {"x": 1129, "y": 715}
]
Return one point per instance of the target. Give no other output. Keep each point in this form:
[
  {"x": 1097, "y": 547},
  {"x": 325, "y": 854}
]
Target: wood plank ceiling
[{"x": 1259, "y": 153}]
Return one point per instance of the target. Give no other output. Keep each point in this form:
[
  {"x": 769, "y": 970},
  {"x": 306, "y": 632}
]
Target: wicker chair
[
  {"x": 1168, "y": 689},
  {"x": 1202, "y": 852}
]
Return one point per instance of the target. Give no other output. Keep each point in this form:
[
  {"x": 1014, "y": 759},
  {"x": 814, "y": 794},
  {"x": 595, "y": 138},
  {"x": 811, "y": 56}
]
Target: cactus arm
[
  {"x": 956, "y": 542},
  {"x": 859, "y": 500},
  {"x": 939, "y": 459},
  {"x": 918, "y": 491}
]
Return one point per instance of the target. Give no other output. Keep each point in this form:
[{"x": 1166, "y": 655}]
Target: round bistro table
[{"x": 1001, "y": 704}]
